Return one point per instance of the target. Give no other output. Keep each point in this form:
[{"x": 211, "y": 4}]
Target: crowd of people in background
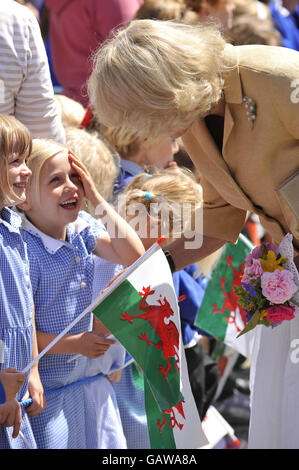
[{"x": 58, "y": 163}]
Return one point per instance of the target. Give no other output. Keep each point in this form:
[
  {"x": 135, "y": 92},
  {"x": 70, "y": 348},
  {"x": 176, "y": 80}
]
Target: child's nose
[
  {"x": 25, "y": 170},
  {"x": 70, "y": 185}
]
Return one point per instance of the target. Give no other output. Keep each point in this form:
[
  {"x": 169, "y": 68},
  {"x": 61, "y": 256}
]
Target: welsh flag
[
  {"x": 141, "y": 310},
  {"x": 219, "y": 314},
  {"x": 143, "y": 314}
]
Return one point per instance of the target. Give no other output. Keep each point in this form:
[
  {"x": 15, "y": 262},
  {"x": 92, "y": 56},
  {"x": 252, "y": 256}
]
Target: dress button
[
  {"x": 18, "y": 246},
  {"x": 78, "y": 259},
  {"x": 83, "y": 284}
]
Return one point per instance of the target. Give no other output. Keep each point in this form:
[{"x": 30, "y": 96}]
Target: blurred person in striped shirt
[{"x": 26, "y": 90}]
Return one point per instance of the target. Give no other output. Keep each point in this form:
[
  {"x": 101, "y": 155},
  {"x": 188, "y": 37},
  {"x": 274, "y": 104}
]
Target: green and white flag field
[{"x": 219, "y": 313}]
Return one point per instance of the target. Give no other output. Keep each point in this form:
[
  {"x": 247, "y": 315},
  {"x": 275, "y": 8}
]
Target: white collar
[
  {"x": 131, "y": 167},
  {"x": 51, "y": 244},
  {"x": 280, "y": 8}
]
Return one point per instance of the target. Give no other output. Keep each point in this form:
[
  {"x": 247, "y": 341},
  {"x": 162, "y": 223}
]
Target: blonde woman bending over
[{"x": 236, "y": 108}]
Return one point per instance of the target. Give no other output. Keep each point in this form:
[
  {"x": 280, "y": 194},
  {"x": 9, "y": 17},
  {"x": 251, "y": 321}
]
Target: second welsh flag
[
  {"x": 142, "y": 313},
  {"x": 220, "y": 314}
]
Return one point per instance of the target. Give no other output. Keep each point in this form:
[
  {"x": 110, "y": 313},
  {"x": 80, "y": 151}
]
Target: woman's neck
[{"x": 219, "y": 108}]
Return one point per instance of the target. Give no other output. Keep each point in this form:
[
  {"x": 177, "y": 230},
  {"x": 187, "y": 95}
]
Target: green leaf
[{"x": 251, "y": 324}]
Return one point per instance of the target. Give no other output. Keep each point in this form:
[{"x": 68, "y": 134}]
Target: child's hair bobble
[{"x": 147, "y": 195}]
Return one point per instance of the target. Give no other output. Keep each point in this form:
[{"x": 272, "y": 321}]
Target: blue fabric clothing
[
  {"x": 16, "y": 308},
  {"x": 127, "y": 171},
  {"x": 286, "y": 24},
  {"x": 2, "y": 394},
  {"x": 296, "y": 16},
  {"x": 62, "y": 275},
  {"x": 130, "y": 400},
  {"x": 185, "y": 283}
]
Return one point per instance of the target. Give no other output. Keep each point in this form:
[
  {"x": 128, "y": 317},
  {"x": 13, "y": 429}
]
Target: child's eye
[
  {"x": 15, "y": 161},
  {"x": 75, "y": 175},
  {"x": 54, "y": 180}
]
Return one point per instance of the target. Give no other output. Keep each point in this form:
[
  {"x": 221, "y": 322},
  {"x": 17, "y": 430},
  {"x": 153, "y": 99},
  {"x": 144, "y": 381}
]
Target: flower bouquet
[{"x": 269, "y": 284}]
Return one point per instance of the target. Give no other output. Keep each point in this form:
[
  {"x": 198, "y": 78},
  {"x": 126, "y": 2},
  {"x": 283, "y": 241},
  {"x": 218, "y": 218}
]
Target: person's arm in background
[
  {"x": 35, "y": 105},
  {"x": 109, "y": 15}
]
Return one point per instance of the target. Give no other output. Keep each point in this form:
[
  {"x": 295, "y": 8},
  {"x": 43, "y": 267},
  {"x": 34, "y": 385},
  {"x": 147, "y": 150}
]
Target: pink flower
[
  {"x": 255, "y": 254},
  {"x": 255, "y": 269},
  {"x": 279, "y": 313},
  {"x": 252, "y": 272},
  {"x": 278, "y": 286}
]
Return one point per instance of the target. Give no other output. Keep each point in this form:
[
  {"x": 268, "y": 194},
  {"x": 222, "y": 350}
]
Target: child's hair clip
[
  {"x": 147, "y": 195},
  {"x": 148, "y": 175}
]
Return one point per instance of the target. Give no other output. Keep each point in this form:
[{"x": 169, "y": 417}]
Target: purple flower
[
  {"x": 249, "y": 289},
  {"x": 255, "y": 254}
]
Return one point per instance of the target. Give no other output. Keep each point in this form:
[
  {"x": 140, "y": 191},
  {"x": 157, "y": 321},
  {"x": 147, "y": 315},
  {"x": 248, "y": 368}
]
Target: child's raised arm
[{"x": 123, "y": 246}]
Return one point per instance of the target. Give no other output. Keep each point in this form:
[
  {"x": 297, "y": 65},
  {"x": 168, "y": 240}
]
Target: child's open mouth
[
  {"x": 71, "y": 204},
  {"x": 20, "y": 185}
]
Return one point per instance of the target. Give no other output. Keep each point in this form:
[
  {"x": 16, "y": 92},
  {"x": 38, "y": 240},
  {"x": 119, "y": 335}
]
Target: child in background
[
  {"x": 138, "y": 155},
  {"x": 61, "y": 247},
  {"x": 71, "y": 112},
  {"x": 97, "y": 159},
  {"x": 17, "y": 333},
  {"x": 163, "y": 196}
]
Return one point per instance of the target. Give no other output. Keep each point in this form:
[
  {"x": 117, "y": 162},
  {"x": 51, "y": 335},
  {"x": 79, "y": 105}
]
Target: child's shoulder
[
  {"x": 85, "y": 221},
  {"x": 10, "y": 221},
  {"x": 85, "y": 230}
]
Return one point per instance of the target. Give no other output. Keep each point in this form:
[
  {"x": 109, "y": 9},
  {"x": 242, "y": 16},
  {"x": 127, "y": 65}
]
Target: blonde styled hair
[
  {"x": 169, "y": 190},
  {"x": 96, "y": 157},
  {"x": 71, "y": 112},
  {"x": 122, "y": 140},
  {"x": 42, "y": 150},
  {"x": 157, "y": 77},
  {"x": 15, "y": 139}
]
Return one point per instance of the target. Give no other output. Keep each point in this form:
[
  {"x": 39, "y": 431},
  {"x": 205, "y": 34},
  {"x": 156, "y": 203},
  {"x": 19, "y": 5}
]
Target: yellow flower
[
  {"x": 263, "y": 314},
  {"x": 271, "y": 263}
]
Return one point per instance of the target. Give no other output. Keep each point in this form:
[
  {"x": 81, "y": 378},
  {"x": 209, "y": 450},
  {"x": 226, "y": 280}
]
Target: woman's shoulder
[{"x": 273, "y": 60}]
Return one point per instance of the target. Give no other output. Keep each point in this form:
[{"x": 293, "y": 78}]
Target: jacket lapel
[{"x": 209, "y": 160}]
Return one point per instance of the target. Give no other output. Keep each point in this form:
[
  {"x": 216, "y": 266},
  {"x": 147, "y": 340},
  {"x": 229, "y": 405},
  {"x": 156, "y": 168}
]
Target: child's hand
[
  {"x": 115, "y": 376},
  {"x": 90, "y": 190},
  {"x": 36, "y": 392},
  {"x": 12, "y": 381},
  {"x": 99, "y": 328},
  {"x": 93, "y": 345},
  {"x": 11, "y": 415}
]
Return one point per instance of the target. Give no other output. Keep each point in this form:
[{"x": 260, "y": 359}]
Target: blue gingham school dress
[
  {"x": 16, "y": 307},
  {"x": 62, "y": 277}
]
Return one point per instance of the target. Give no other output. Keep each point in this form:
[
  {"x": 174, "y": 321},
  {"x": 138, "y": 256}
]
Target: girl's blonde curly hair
[{"x": 169, "y": 191}]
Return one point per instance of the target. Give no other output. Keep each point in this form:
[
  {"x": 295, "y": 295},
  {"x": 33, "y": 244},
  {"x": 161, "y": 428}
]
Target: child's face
[
  {"x": 18, "y": 176},
  {"x": 61, "y": 195},
  {"x": 161, "y": 154}
]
